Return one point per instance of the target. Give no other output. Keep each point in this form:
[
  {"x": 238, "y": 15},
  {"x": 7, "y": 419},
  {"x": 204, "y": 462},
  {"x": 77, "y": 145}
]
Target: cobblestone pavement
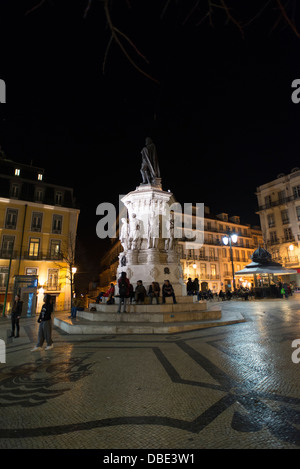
[{"x": 227, "y": 387}]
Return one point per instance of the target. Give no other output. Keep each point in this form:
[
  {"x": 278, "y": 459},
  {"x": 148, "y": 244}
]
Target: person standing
[
  {"x": 45, "y": 328},
  {"x": 123, "y": 284},
  {"x": 131, "y": 293},
  {"x": 190, "y": 287},
  {"x": 15, "y": 317}
]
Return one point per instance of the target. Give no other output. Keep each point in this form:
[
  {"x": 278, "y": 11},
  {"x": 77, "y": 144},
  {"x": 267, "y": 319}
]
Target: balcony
[
  {"x": 292, "y": 260},
  {"x": 281, "y": 201},
  {"x": 52, "y": 287},
  {"x": 5, "y": 254},
  {"x": 43, "y": 256},
  {"x": 204, "y": 276},
  {"x": 200, "y": 258}
]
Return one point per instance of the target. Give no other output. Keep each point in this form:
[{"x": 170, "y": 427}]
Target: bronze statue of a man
[{"x": 150, "y": 169}]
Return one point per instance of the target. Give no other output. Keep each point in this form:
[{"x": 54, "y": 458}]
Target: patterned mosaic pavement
[{"x": 228, "y": 387}]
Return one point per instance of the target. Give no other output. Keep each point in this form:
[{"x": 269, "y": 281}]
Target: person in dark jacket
[
  {"x": 190, "y": 287},
  {"x": 167, "y": 290},
  {"x": 123, "y": 284},
  {"x": 140, "y": 292},
  {"x": 15, "y": 317},
  {"x": 154, "y": 291},
  {"x": 45, "y": 328}
]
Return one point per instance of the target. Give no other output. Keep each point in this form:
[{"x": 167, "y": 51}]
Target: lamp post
[
  {"x": 73, "y": 271},
  {"x": 291, "y": 251},
  {"x": 229, "y": 239}
]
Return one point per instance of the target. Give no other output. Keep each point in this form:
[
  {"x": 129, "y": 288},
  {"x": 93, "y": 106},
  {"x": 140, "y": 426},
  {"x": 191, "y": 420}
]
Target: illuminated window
[
  {"x": 34, "y": 246},
  {"x": 3, "y": 276},
  {"x": 17, "y": 172},
  {"x": 54, "y": 249},
  {"x": 30, "y": 271},
  {"x": 40, "y": 177},
  {"x": 53, "y": 278}
]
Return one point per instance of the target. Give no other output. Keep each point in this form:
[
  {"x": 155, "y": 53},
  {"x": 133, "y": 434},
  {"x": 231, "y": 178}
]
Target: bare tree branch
[
  {"x": 132, "y": 44},
  {"x": 87, "y": 9},
  {"x": 115, "y": 36},
  {"x": 106, "y": 53},
  {"x": 287, "y": 18},
  {"x": 231, "y": 18},
  {"x": 118, "y": 36},
  {"x": 38, "y": 5}
]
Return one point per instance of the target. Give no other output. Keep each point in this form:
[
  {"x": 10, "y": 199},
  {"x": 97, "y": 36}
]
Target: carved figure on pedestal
[
  {"x": 153, "y": 231},
  {"x": 150, "y": 169},
  {"x": 169, "y": 243},
  {"x": 135, "y": 233},
  {"x": 124, "y": 234},
  {"x": 123, "y": 261}
]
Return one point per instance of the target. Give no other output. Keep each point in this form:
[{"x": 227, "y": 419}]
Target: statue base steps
[{"x": 145, "y": 319}]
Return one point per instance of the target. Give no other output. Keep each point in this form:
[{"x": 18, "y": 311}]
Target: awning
[
  {"x": 252, "y": 269},
  {"x": 262, "y": 263}
]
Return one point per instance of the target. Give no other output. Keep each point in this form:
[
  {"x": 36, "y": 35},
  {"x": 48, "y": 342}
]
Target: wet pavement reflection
[{"x": 224, "y": 387}]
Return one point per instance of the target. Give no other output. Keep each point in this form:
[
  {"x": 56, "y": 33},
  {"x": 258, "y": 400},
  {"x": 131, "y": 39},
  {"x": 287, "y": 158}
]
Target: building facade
[
  {"x": 210, "y": 262},
  {"x": 279, "y": 211},
  {"x": 38, "y": 225}
]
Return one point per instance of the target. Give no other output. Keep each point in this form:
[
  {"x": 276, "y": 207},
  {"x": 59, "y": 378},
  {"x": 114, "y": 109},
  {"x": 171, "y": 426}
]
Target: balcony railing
[
  {"x": 52, "y": 287},
  {"x": 287, "y": 239},
  {"x": 291, "y": 260},
  {"x": 204, "y": 276},
  {"x": 45, "y": 256},
  {"x": 5, "y": 254},
  {"x": 281, "y": 201},
  {"x": 200, "y": 258}
]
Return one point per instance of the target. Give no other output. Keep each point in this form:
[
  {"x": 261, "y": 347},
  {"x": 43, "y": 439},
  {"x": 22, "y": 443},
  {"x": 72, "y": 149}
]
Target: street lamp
[
  {"x": 229, "y": 239},
  {"x": 74, "y": 270}
]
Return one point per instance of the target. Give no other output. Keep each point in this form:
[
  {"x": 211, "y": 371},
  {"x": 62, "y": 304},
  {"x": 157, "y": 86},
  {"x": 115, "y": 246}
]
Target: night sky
[{"x": 221, "y": 115}]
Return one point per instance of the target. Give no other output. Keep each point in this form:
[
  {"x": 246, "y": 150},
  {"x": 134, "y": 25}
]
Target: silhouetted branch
[
  {"x": 198, "y": 12},
  {"x": 287, "y": 18},
  {"x": 114, "y": 32},
  {"x": 38, "y": 5}
]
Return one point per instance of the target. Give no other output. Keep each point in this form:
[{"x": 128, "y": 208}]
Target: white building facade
[{"x": 279, "y": 211}]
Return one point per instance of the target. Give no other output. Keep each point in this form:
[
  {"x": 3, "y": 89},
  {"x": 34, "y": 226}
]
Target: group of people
[
  {"x": 127, "y": 293},
  {"x": 192, "y": 288},
  {"x": 284, "y": 290}
]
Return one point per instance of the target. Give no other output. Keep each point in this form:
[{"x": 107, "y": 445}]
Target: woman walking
[{"x": 45, "y": 328}]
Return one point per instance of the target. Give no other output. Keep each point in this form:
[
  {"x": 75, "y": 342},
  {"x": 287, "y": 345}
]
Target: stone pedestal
[{"x": 150, "y": 251}]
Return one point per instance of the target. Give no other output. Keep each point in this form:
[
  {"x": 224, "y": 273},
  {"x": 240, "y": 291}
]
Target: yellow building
[{"x": 38, "y": 224}]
